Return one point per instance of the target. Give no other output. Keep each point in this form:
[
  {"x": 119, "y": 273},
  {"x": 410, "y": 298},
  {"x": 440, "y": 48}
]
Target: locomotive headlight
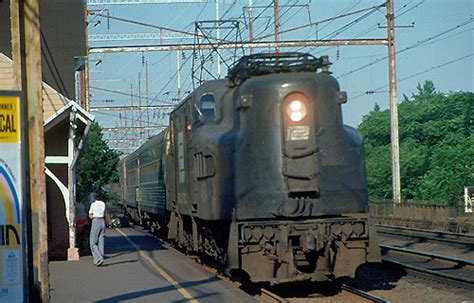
[{"x": 296, "y": 110}]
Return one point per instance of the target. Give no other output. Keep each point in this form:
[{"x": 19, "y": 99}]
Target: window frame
[{"x": 204, "y": 117}]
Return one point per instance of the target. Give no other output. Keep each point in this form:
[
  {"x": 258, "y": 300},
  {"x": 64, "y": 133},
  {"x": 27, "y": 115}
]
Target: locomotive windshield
[{"x": 207, "y": 108}]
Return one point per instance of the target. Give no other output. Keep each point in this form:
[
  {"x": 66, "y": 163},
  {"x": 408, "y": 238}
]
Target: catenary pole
[
  {"x": 87, "y": 99},
  {"x": 218, "y": 36},
  {"x": 393, "y": 102},
  {"x": 250, "y": 25},
  {"x": 277, "y": 25}
]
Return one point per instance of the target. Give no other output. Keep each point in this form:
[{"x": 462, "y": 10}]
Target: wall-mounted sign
[
  {"x": 11, "y": 196},
  {"x": 469, "y": 199}
]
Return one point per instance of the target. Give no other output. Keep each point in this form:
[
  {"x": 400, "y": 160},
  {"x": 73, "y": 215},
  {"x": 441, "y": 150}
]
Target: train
[{"x": 258, "y": 173}]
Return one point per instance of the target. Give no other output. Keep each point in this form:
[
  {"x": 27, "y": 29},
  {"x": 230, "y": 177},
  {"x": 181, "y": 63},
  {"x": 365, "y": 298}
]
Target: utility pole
[
  {"x": 146, "y": 92},
  {"x": 139, "y": 98},
  {"x": 218, "y": 34},
  {"x": 393, "y": 101},
  {"x": 85, "y": 87},
  {"x": 277, "y": 25},
  {"x": 178, "y": 73},
  {"x": 30, "y": 46},
  {"x": 16, "y": 53},
  {"x": 250, "y": 26}
]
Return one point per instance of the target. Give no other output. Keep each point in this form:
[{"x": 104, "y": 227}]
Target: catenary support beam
[
  {"x": 131, "y": 2},
  {"x": 120, "y": 108},
  {"x": 263, "y": 44},
  {"x": 118, "y": 129}
]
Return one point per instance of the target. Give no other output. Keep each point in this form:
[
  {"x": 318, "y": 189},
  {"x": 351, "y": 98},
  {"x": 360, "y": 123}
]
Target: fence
[{"x": 422, "y": 215}]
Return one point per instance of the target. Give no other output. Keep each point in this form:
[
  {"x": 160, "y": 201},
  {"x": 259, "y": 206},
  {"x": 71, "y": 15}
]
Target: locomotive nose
[{"x": 300, "y": 161}]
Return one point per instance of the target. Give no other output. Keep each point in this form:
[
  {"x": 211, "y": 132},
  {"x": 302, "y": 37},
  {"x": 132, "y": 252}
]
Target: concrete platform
[{"x": 138, "y": 268}]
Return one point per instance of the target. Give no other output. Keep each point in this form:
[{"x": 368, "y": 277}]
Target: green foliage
[
  {"x": 379, "y": 171},
  {"x": 376, "y": 108},
  {"x": 376, "y": 128},
  {"x": 97, "y": 165},
  {"x": 436, "y": 146}
]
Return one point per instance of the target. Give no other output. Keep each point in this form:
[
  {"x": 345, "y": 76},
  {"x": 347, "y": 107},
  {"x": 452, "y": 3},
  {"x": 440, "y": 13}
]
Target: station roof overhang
[
  {"x": 64, "y": 134},
  {"x": 71, "y": 111}
]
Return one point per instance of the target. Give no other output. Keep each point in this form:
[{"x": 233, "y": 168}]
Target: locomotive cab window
[{"x": 207, "y": 108}]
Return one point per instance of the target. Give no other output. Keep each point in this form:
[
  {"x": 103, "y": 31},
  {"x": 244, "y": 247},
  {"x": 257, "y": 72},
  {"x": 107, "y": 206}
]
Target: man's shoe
[{"x": 100, "y": 262}]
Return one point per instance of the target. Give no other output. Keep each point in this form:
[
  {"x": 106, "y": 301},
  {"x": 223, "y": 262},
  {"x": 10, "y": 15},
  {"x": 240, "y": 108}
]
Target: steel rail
[
  {"x": 363, "y": 294},
  {"x": 270, "y": 297},
  {"x": 457, "y": 238},
  {"x": 462, "y": 262},
  {"x": 466, "y": 283},
  {"x": 429, "y": 255}
]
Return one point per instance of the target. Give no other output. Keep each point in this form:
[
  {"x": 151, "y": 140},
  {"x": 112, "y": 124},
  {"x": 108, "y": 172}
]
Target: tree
[
  {"x": 436, "y": 146},
  {"x": 97, "y": 165},
  {"x": 376, "y": 107}
]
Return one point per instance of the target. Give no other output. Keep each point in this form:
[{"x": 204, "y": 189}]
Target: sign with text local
[{"x": 11, "y": 196}]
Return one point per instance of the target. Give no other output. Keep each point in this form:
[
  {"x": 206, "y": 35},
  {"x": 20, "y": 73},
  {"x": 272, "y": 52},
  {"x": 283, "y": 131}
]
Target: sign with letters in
[{"x": 11, "y": 199}]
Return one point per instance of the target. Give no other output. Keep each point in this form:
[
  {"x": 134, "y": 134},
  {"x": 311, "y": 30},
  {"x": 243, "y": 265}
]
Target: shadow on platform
[{"x": 148, "y": 292}]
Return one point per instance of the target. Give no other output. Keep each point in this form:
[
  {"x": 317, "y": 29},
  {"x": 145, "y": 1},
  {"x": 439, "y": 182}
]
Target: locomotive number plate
[{"x": 295, "y": 133}]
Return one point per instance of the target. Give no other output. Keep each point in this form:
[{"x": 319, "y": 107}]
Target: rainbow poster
[
  {"x": 11, "y": 239},
  {"x": 10, "y": 210}
]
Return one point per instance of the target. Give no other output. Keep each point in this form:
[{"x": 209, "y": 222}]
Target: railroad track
[
  {"x": 440, "y": 236},
  {"x": 443, "y": 268},
  {"x": 350, "y": 294},
  {"x": 362, "y": 294},
  {"x": 267, "y": 296}
]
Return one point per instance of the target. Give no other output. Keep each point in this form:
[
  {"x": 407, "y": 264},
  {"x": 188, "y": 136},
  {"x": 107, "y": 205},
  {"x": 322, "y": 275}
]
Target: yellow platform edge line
[{"x": 160, "y": 270}]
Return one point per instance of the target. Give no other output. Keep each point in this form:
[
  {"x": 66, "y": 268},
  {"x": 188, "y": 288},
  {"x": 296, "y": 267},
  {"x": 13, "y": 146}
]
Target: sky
[{"x": 434, "y": 41}]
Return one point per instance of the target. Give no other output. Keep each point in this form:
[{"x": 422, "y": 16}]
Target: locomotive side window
[
  {"x": 181, "y": 171},
  {"x": 207, "y": 107}
]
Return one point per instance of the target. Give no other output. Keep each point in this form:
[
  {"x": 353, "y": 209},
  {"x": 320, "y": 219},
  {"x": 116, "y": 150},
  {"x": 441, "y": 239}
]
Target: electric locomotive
[{"x": 261, "y": 174}]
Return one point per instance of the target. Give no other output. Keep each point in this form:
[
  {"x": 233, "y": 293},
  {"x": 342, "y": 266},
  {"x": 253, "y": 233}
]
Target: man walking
[{"x": 97, "y": 214}]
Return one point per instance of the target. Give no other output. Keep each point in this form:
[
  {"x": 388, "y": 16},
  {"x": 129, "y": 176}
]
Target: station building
[{"x": 66, "y": 122}]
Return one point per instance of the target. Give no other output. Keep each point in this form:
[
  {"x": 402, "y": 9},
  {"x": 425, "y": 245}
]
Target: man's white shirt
[{"x": 97, "y": 209}]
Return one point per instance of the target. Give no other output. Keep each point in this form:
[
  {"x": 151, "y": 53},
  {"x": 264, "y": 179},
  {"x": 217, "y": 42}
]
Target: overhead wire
[
  {"x": 417, "y": 44},
  {"x": 126, "y": 118},
  {"x": 365, "y": 31},
  {"x": 229, "y": 8},
  {"x": 150, "y": 100},
  {"x": 181, "y": 66},
  {"x": 377, "y": 26},
  {"x": 399, "y": 14},
  {"x": 344, "y": 11},
  {"x": 415, "y": 74},
  {"x": 52, "y": 66},
  {"x": 406, "y": 8},
  {"x": 371, "y": 8},
  {"x": 129, "y": 95}
]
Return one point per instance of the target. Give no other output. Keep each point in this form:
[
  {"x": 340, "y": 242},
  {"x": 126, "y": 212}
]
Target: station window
[{"x": 207, "y": 107}]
